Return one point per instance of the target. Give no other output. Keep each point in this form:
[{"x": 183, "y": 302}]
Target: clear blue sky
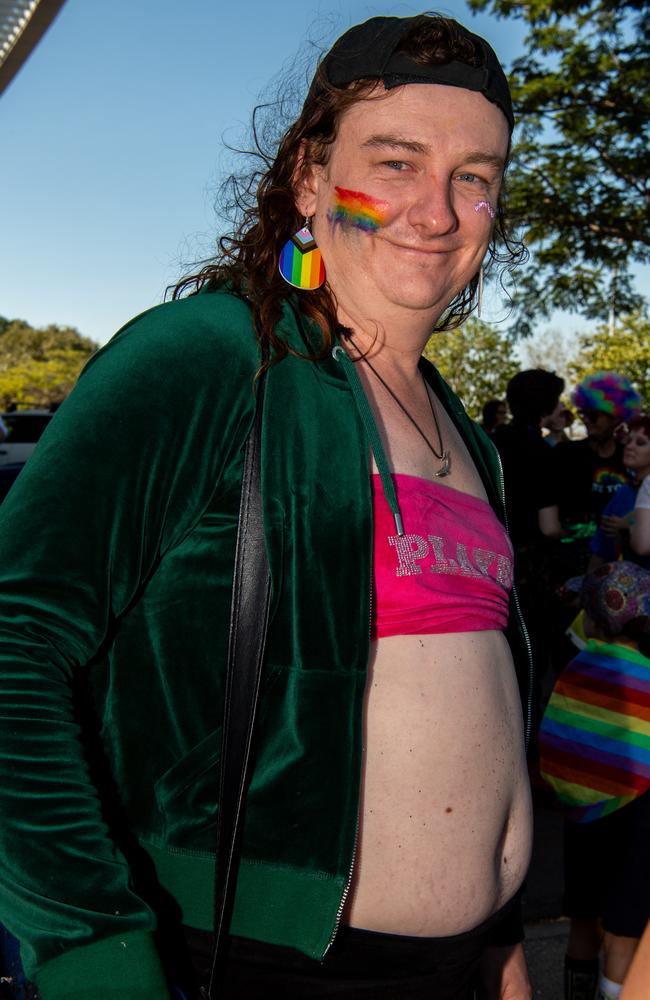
[{"x": 112, "y": 138}]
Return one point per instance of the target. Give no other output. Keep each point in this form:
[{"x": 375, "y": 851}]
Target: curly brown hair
[
  {"x": 641, "y": 422},
  {"x": 266, "y": 214}
]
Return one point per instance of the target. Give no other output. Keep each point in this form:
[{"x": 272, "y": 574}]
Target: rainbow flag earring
[{"x": 301, "y": 264}]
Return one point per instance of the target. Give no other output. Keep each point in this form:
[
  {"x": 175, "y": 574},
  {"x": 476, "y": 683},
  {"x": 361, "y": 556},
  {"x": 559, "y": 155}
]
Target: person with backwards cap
[{"x": 388, "y": 817}]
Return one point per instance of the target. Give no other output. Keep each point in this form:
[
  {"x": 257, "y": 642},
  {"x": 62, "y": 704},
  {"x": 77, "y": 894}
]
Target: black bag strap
[{"x": 247, "y": 638}]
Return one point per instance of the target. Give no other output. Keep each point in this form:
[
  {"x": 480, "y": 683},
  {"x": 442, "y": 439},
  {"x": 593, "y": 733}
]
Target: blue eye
[
  {"x": 395, "y": 164},
  {"x": 467, "y": 177}
]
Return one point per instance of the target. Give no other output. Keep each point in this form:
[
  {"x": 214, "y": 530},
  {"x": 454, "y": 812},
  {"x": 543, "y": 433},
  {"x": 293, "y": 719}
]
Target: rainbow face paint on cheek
[
  {"x": 481, "y": 205},
  {"x": 356, "y": 210}
]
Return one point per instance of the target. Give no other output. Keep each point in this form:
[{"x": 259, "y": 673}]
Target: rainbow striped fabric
[{"x": 594, "y": 741}]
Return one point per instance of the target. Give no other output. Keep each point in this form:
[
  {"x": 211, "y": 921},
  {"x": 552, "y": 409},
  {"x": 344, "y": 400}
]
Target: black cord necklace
[{"x": 444, "y": 455}]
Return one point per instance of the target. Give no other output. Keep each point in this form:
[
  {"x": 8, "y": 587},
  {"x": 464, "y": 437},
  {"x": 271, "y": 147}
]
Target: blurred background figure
[
  {"x": 640, "y": 527},
  {"x": 493, "y": 415},
  {"x": 612, "y": 538},
  {"x": 557, "y": 424},
  {"x": 528, "y": 466},
  {"x": 532, "y": 496},
  {"x": 592, "y": 470},
  {"x": 593, "y": 753}
]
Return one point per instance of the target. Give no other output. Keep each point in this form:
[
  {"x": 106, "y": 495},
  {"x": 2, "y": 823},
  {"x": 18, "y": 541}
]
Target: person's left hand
[
  {"x": 504, "y": 975},
  {"x": 611, "y": 524}
]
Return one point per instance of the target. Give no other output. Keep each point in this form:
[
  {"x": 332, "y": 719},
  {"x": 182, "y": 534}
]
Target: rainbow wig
[{"x": 607, "y": 392}]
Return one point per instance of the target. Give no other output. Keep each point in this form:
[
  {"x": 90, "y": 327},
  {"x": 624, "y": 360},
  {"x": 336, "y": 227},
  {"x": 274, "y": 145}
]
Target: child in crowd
[{"x": 595, "y": 753}]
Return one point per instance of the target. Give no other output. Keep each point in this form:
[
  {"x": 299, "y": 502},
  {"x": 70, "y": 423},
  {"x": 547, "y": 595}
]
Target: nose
[{"x": 432, "y": 212}]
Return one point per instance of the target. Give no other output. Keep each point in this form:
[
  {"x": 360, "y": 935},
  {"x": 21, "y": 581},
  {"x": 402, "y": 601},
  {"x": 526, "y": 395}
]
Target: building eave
[{"x": 17, "y": 40}]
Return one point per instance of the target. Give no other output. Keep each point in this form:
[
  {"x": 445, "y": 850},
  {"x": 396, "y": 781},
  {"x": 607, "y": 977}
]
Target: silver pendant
[{"x": 445, "y": 468}]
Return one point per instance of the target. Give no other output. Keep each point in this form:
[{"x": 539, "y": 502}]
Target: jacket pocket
[{"x": 187, "y": 794}]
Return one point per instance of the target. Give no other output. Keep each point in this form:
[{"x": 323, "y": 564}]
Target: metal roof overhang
[{"x": 22, "y": 24}]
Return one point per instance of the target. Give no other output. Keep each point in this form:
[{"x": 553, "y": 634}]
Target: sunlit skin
[
  {"x": 357, "y": 210},
  {"x": 485, "y": 206},
  {"x": 430, "y": 154},
  {"x": 444, "y": 775}
]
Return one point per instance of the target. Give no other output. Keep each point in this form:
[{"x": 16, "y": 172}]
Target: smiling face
[
  {"x": 636, "y": 454},
  {"x": 403, "y": 210}
]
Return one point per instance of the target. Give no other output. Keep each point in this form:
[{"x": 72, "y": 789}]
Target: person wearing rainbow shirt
[{"x": 591, "y": 470}]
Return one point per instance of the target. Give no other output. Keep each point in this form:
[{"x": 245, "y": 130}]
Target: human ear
[{"x": 306, "y": 179}]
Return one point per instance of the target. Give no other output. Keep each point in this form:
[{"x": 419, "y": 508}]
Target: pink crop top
[{"x": 450, "y": 572}]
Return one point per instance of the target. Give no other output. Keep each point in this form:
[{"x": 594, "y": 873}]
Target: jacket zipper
[
  {"x": 348, "y": 884},
  {"x": 346, "y": 891},
  {"x": 520, "y": 618},
  {"x": 400, "y": 530}
]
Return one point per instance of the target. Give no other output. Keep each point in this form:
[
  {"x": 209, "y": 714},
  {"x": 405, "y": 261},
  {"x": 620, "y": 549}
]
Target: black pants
[
  {"x": 361, "y": 965},
  {"x": 607, "y": 869}
]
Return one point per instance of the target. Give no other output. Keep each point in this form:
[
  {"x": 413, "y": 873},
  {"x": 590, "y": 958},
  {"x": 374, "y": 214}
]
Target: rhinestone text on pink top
[{"x": 413, "y": 549}]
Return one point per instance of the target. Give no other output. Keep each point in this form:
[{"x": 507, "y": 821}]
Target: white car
[{"x": 23, "y": 430}]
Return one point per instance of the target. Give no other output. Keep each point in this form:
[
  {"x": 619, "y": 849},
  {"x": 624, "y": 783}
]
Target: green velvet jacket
[{"x": 116, "y": 561}]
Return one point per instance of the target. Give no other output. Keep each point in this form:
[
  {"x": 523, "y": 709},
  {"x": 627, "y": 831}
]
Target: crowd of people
[
  {"x": 327, "y": 523},
  {"x": 578, "y": 514}
]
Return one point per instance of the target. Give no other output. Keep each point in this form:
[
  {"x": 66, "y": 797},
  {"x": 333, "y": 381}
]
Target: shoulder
[
  {"x": 197, "y": 355},
  {"x": 202, "y": 332}
]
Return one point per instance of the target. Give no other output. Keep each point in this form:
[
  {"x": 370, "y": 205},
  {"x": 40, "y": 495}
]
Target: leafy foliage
[
  {"x": 627, "y": 352},
  {"x": 555, "y": 351},
  {"x": 476, "y": 359},
  {"x": 39, "y": 365},
  {"x": 573, "y": 356},
  {"x": 579, "y": 184}
]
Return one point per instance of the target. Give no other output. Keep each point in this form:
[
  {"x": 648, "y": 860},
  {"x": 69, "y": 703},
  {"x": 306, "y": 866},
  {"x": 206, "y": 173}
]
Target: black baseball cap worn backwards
[{"x": 367, "y": 51}]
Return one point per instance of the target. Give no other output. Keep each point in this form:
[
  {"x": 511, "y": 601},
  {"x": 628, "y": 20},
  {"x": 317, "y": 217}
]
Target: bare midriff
[{"x": 445, "y": 815}]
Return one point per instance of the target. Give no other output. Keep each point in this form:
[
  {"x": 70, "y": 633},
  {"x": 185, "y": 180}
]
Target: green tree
[
  {"x": 627, "y": 352},
  {"x": 476, "y": 359},
  {"x": 579, "y": 185},
  {"x": 554, "y": 350},
  {"x": 39, "y": 365}
]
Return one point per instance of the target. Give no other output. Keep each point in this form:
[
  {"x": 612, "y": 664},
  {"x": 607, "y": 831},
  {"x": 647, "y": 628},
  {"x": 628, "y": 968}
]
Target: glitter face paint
[
  {"x": 480, "y": 205},
  {"x": 356, "y": 210}
]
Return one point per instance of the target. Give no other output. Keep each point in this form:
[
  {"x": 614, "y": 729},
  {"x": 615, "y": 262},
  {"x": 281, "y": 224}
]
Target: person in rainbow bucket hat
[{"x": 594, "y": 745}]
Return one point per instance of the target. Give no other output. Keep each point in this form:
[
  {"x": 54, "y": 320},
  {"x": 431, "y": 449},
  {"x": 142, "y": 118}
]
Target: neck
[
  {"x": 604, "y": 449},
  {"x": 395, "y": 335},
  {"x": 398, "y": 346}
]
